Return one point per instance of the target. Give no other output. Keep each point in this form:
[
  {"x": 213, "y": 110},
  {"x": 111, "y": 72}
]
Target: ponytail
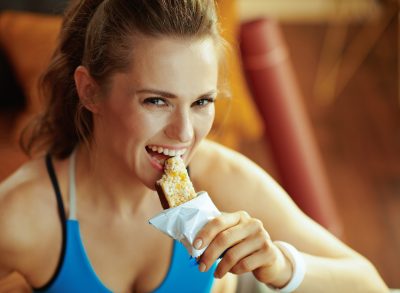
[{"x": 65, "y": 122}]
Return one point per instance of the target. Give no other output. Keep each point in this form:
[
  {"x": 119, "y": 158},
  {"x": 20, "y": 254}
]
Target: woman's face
[{"x": 164, "y": 106}]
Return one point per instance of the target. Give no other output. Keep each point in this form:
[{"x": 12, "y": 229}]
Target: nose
[{"x": 180, "y": 126}]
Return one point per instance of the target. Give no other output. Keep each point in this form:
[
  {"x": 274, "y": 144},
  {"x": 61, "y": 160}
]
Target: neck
[{"x": 102, "y": 184}]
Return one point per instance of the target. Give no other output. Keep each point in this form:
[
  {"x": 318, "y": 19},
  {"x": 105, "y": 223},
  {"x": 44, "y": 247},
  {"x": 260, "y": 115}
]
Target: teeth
[
  {"x": 180, "y": 152},
  {"x": 170, "y": 152},
  {"x": 167, "y": 152}
]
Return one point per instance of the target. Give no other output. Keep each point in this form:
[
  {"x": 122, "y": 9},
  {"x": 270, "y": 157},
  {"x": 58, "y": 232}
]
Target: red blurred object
[{"x": 272, "y": 82}]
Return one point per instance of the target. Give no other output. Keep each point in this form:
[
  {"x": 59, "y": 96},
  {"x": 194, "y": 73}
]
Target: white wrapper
[{"x": 185, "y": 221}]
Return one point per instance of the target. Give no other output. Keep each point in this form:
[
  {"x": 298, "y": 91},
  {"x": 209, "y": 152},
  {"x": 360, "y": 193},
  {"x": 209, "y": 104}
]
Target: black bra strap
[
  {"x": 61, "y": 211},
  {"x": 54, "y": 181}
]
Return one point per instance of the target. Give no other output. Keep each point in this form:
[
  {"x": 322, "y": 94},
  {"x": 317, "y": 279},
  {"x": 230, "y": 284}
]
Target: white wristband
[{"x": 299, "y": 267}]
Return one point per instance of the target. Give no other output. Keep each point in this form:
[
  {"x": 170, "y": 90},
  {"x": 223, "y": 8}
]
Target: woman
[{"x": 131, "y": 84}]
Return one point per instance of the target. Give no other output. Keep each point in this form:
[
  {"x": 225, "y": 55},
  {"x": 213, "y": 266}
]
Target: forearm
[{"x": 340, "y": 275}]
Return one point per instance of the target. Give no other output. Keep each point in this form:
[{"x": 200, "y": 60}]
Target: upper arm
[
  {"x": 8, "y": 234},
  {"x": 235, "y": 183},
  {"x": 21, "y": 218},
  {"x": 10, "y": 244}
]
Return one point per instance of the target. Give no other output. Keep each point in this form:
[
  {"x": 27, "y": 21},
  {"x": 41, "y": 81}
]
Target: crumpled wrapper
[{"x": 186, "y": 220}]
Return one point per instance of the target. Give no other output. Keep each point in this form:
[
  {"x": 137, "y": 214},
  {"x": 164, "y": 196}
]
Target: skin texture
[{"x": 166, "y": 100}]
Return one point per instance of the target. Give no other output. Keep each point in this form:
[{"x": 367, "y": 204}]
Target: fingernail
[
  {"x": 198, "y": 243},
  {"x": 202, "y": 267}
]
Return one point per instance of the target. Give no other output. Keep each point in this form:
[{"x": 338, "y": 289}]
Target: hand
[{"x": 247, "y": 247}]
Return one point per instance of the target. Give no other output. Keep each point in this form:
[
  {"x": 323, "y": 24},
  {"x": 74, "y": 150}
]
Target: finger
[
  {"x": 252, "y": 262},
  {"x": 215, "y": 226},
  {"x": 236, "y": 253},
  {"x": 220, "y": 244},
  {"x": 275, "y": 262},
  {"x": 228, "y": 238}
]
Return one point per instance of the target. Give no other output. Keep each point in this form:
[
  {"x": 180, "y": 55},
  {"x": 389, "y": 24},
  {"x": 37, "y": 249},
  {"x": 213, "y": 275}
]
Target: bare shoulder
[
  {"x": 223, "y": 171},
  {"x": 25, "y": 213},
  {"x": 212, "y": 156},
  {"x": 236, "y": 183}
]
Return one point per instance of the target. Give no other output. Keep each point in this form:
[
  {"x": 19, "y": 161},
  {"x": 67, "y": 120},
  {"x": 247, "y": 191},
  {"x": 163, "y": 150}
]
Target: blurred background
[
  {"x": 345, "y": 56},
  {"x": 315, "y": 102}
]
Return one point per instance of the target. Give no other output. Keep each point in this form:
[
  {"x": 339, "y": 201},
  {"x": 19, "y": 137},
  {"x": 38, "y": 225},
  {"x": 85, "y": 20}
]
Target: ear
[{"x": 87, "y": 89}]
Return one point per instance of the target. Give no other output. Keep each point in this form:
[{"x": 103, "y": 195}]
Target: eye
[
  {"x": 157, "y": 101},
  {"x": 204, "y": 102}
]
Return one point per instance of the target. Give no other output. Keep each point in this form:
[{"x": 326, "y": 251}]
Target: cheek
[
  {"x": 141, "y": 126},
  {"x": 124, "y": 123},
  {"x": 205, "y": 122},
  {"x": 145, "y": 124}
]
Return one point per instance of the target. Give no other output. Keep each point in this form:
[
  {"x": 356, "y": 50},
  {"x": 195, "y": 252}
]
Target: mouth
[{"x": 160, "y": 154}]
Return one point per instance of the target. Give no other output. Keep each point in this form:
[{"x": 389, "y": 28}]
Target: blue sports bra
[{"x": 75, "y": 273}]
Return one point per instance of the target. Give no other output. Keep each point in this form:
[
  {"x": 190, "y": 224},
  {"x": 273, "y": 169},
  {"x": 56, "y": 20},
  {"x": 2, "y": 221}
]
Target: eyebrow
[{"x": 170, "y": 95}]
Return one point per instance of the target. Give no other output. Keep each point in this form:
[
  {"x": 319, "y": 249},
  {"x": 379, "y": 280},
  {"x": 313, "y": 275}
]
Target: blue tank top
[{"x": 75, "y": 273}]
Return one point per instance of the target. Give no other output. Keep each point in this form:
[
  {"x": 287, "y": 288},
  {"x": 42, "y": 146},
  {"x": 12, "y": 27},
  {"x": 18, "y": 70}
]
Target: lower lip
[{"x": 156, "y": 165}]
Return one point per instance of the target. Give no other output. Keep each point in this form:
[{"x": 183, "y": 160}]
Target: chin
[
  {"x": 151, "y": 186},
  {"x": 150, "y": 181}
]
